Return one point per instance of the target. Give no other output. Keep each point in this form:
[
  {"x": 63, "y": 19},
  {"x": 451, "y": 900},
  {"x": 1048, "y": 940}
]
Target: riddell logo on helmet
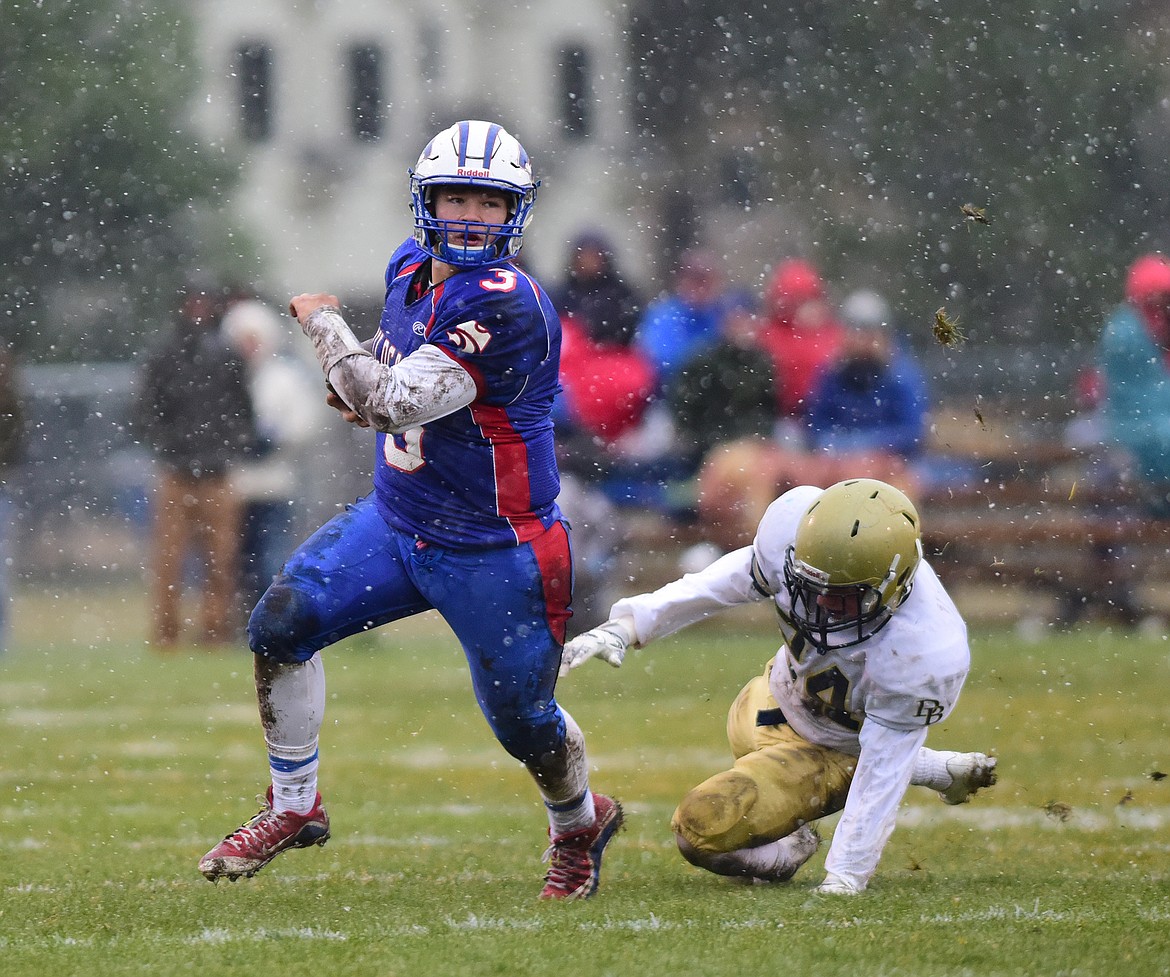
[
  {"x": 813, "y": 573},
  {"x": 463, "y": 172}
]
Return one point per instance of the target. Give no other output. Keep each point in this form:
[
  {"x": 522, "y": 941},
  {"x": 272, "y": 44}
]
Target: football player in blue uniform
[{"x": 458, "y": 384}]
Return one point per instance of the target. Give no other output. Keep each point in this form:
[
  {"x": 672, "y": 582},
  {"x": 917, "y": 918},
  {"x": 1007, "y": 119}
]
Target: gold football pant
[{"x": 779, "y": 781}]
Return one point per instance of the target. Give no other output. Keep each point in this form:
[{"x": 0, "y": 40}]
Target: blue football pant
[{"x": 508, "y": 608}]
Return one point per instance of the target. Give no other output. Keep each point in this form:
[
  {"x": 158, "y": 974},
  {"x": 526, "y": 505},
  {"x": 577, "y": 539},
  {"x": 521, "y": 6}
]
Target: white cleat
[{"x": 970, "y": 772}]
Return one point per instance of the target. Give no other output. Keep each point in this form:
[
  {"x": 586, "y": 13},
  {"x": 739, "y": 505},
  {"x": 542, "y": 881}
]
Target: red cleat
[
  {"x": 257, "y": 842},
  {"x": 575, "y": 858}
]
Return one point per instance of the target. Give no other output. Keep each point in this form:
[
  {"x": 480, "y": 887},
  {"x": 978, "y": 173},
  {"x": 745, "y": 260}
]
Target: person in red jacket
[{"x": 802, "y": 334}]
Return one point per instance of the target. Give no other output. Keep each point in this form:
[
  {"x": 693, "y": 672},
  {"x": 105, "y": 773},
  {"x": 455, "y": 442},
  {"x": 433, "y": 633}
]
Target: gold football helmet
[{"x": 852, "y": 562}]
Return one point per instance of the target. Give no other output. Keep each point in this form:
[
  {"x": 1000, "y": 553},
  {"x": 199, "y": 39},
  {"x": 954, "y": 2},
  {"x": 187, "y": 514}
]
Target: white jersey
[
  {"x": 874, "y": 699},
  {"x": 905, "y": 677}
]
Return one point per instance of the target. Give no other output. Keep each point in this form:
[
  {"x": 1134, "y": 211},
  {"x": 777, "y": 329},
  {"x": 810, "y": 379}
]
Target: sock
[
  {"x": 573, "y": 816},
  {"x": 930, "y": 769},
  {"x": 563, "y": 780},
  {"x": 294, "y": 778},
  {"x": 776, "y": 861},
  {"x": 292, "y": 704}
]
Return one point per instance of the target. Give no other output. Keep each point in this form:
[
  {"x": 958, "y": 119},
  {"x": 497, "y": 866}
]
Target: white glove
[
  {"x": 834, "y": 886},
  {"x": 607, "y": 641}
]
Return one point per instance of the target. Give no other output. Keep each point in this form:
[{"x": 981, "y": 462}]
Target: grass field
[{"x": 121, "y": 767}]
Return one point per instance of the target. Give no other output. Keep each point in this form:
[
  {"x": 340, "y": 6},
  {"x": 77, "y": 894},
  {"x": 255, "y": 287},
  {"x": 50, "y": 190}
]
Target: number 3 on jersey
[
  {"x": 504, "y": 281},
  {"x": 408, "y": 457}
]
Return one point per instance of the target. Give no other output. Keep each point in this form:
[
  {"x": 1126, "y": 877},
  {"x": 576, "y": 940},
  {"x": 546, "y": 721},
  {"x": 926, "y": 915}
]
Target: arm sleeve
[
  {"x": 693, "y": 597},
  {"x": 879, "y": 784},
  {"x": 424, "y": 386}
]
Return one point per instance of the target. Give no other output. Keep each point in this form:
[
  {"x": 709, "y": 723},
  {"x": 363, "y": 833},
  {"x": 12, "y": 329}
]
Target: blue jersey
[{"x": 485, "y": 475}]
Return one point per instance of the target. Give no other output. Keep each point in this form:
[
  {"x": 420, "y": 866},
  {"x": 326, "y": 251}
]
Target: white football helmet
[{"x": 475, "y": 154}]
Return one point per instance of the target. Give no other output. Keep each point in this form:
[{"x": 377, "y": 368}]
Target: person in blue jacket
[
  {"x": 1134, "y": 361},
  {"x": 688, "y": 316},
  {"x": 867, "y": 415},
  {"x": 873, "y": 396}
]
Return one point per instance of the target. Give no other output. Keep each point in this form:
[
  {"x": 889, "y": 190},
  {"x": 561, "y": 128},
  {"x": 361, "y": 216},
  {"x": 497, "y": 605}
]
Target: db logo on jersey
[
  {"x": 929, "y": 710},
  {"x": 470, "y": 337}
]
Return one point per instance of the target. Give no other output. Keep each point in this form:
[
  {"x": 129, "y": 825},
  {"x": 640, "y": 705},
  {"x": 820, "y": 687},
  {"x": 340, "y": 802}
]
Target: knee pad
[
  {"x": 716, "y": 815},
  {"x": 281, "y": 622}
]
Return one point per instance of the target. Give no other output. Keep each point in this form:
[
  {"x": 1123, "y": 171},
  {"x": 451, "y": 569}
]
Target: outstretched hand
[{"x": 607, "y": 641}]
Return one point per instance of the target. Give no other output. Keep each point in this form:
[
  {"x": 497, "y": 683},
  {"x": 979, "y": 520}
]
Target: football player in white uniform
[{"x": 874, "y": 653}]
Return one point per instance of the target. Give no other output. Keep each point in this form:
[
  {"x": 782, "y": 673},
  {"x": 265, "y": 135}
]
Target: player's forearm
[
  {"x": 423, "y": 387},
  {"x": 333, "y": 341},
  {"x": 879, "y": 784},
  {"x": 725, "y": 583}
]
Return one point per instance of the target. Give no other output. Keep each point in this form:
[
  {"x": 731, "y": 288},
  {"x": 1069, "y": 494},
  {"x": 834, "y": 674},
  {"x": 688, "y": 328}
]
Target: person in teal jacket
[{"x": 1135, "y": 366}]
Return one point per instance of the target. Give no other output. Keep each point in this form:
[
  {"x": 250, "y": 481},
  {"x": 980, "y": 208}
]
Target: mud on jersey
[{"x": 486, "y": 474}]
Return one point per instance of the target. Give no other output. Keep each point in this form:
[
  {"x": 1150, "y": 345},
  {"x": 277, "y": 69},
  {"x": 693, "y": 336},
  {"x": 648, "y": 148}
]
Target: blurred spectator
[
  {"x": 289, "y": 402},
  {"x": 195, "y": 413},
  {"x": 595, "y": 295},
  {"x": 685, "y": 318},
  {"x": 1105, "y": 584},
  {"x": 1134, "y": 356},
  {"x": 1134, "y": 372},
  {"x": 802, "y": 335},
  {"x": 867, "y": 416},
  {"x": 725, "y": 390},
  {"x": 12, "y": 438},
  {"x": 605, "y": 390},
  {"x": 646, "y": 468},
  {"x": 1086, "y": 429},
  {"x": 1094, "y": 460},
  {"x": 872, "y": 396},
  {"x": 646, "y": 458}
]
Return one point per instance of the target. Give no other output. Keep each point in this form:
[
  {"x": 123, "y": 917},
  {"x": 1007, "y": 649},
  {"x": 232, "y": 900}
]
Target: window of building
[
  {"x": 430, "y": 43},
  {"x": 575, "y": 91},
  {"x": 366, "y": 112},
  {"x": 254, "y": 76}
]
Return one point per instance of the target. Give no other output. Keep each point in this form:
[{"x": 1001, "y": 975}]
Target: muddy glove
[{"x": 607, "y": 641}]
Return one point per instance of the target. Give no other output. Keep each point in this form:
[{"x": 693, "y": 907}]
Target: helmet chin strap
[{"x": 465, "y": 257}]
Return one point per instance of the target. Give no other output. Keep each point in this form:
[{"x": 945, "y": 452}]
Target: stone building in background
[{"x": 329, "y": 102}]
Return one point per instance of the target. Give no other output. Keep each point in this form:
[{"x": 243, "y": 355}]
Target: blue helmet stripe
[
  {"x": 489, "y": 145},
  {"x": 463, "y": 155},
  {"x": 464, "y": 135}
]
